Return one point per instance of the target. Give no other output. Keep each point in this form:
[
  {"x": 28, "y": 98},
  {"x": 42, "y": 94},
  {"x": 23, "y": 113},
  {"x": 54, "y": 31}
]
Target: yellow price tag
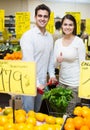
[
  {"x": 84, "y": 88},
  {"x": 18, "y": 77}
]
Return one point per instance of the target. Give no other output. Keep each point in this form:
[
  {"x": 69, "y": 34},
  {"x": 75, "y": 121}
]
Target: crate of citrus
[{"x": 80, "y": 119}]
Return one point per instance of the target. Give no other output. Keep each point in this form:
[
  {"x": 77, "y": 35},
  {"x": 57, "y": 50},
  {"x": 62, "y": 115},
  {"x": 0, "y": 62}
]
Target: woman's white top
[{"x": 72, "y": 54}]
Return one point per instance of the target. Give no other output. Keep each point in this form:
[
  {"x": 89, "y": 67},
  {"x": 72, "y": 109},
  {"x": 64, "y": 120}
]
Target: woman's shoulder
[
  {"x": 58, "y": 41},
  {"x": 78, "y": 41},
  {"x": 78, "y": 38}
]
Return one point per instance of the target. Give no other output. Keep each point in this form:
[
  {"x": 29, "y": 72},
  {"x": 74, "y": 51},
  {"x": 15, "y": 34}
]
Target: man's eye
[{"x": 45, "y": 16}]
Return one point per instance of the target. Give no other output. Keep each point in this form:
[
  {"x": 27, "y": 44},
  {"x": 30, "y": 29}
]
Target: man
[
  {"x": 37, "y": 45},
  {"x": 57, "y": 33}
]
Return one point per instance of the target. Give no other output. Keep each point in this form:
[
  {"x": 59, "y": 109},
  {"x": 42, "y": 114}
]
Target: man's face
[{"x": 42, "y": 18}]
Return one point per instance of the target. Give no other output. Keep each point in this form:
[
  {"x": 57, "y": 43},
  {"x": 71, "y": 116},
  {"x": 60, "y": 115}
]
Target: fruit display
[
  {"x": 29, "y": 121},
  {"x": 14, "y": 56},
  {"x": 80, "y": 119},
  {"x": 9, "y": 51}
]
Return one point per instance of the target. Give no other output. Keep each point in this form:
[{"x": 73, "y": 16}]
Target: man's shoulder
[{"x": 28, "y": 32}]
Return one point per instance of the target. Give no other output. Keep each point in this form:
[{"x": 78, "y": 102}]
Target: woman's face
[{"x": 67, "y": 27}]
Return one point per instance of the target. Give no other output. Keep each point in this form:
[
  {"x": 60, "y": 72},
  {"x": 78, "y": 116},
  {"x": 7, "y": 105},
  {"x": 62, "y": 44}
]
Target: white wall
[
  {"x": 59, "y": 8},
  {"x": 12, "y": 6}
]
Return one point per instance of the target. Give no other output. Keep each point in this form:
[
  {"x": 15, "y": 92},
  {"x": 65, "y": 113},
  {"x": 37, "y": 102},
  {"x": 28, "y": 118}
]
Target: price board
[
  {"x": 22, "y": 23},
  {"x": 84, "y": 87},
  {"x": 2, "y": 22},
  {"x": 88, "y": 26},
  {"x": 18, "y": 77},
  {"x": 50, "y": 25}
]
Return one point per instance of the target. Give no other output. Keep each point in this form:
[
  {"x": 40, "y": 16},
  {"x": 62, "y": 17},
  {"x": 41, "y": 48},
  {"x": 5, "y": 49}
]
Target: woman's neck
[{"x": 68, "y": 37}]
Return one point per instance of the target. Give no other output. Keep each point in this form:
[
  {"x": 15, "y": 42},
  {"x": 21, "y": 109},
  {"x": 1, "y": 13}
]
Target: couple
[{"x": 37, "y": 45}]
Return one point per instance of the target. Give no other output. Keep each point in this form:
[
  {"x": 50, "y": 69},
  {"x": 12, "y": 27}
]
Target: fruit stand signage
[
  {"x": 22, "y": 23},
  {"x": 18, "y": 77},
  {"x": 84, "y": 88},
  {"x": 2, "y": 12}
]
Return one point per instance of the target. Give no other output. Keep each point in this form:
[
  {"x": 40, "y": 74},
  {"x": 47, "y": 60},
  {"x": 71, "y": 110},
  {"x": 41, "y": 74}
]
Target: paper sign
[
  {"x": 50, "y": 25},
  {"x": 84, "y": 88},
  {"x": 2, "y": 13},
  {"x": 22, "y": 23},
  {"x": 88, "y": 26},
  {"x": 18, "y": 77}
]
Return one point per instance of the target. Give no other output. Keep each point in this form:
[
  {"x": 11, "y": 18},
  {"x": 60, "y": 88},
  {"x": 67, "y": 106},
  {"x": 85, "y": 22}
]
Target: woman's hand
[{"x": 60, "y": 58}]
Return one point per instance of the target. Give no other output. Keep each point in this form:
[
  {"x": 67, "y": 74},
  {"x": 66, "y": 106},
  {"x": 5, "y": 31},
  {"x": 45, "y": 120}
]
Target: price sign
[
  {"x": 84, "y": 88},
  {"x": 22, "y": 23},
  {"x": 2, "y": 13},
  {"x": 50, "y": 25},
  {"x": 88, "y": 26},
  {"x": 18, "y": 77}
]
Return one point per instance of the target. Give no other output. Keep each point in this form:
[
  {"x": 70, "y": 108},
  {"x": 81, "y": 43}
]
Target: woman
[{"x": 69, "y": 51}]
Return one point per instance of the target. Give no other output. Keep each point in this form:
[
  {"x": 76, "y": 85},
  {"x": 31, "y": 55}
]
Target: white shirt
[
  {"x": 38, "y": 47},
  {"x": 72, "y": 55}
]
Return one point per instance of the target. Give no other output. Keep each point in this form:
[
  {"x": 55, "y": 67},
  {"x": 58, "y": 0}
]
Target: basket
[{"x": 52, "y": 112}]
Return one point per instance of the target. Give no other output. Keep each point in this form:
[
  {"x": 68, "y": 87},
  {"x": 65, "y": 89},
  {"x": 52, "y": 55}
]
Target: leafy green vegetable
[{"x": 58, "y": 98}]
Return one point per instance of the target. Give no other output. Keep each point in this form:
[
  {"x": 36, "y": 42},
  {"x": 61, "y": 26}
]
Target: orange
[
  {"x": 8, "y": 126},
  {"x": 20, "y": 126},
  {"x": 50, "y": 127},
  {"x": 40, "y": 117},
  {"x": 45, "y": 126},
  {"x": 69, "y": 120},
  {"x": 84, "y": 127},
  {"x": 20, "y": 118},
  {"x": 31, "y": 120},
  {"x": 29, "y": 126},
  {"x": 50, "y": 120},
  {"x": 39, "y": 127},
  {"x": 78, "y": 122},
  {"x": 10, "y": 120},
  {"x": 85, "y": 111},
  {"x": 1, "y": 128},
  {"x": 10, "y": 116},
  {"x": 59, "y": 120},
  {"x": 20, "y": 111},
  {"x": 3, "y": 120},
  {"x": 69, "y": 126},
  {"x": 57, "y": 126},
  {"x": 31, "y": 113},
  {"x": 77, "y": 111},
  {"x": 87, "y": 121}
]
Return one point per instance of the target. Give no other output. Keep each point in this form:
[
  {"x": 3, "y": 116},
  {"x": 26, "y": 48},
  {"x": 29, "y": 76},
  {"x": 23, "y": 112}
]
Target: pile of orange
[
  {"x": 30, "y": 121},
  {"x": 14, "y": 56},
  {"x": 81, "y": 121}
]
